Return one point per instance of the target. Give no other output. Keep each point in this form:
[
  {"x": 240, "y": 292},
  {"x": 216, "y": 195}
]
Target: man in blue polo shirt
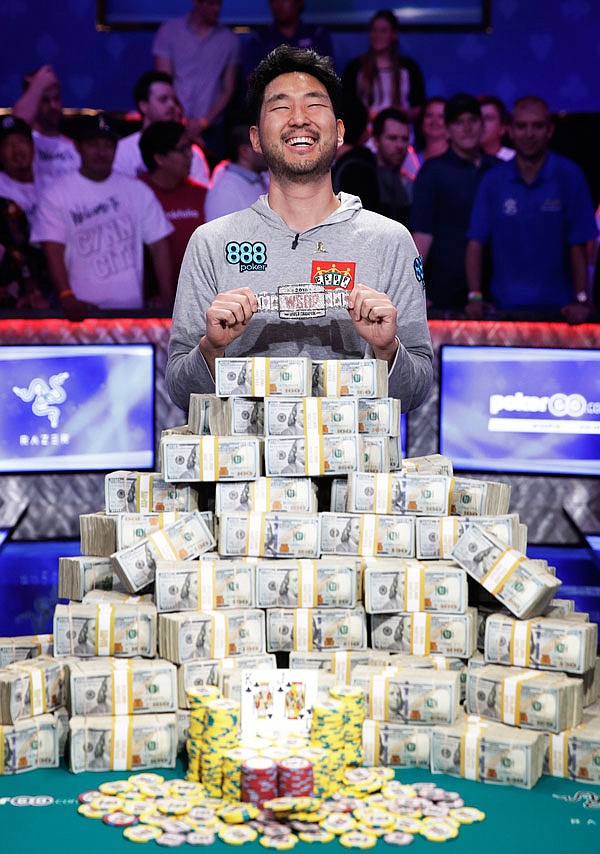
[{"x": 537, "y": 215}]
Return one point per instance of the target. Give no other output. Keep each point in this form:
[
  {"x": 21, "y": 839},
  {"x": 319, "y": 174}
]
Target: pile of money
[
  {"x": 306, "y": 629},
  {"x": 227, "y": 416},
  {"x": 269, "y": 534},
  {"x": 408, "y": 585},
  {"x": 395, "y": 744},
  {"x": 110, "y": 686},
  {"x": 312, "y": 455},
  {"x": 410, "y": 695},
  {"x": 541, "y": 643},
  {"x": 24, "y": 647},
  {"x": 437, "y": 536},
  {"x": 350, "y": 378},
  {"x": 488, "y": 752},
  {"x": 103, "y": 535},
  {"x": 29, "y": 744},
  {"x": 211, "y": 458},
  {"x": 184, "y": 539},
  {"x": 120, "y": 629},
  {"x": 575, "y": 754},
  {"x": 140, "y": 492},
  {"x": 415, "y": 494},
  {"x": 267, "y": 494},
  {"x": 306, "y": 416},
  {"x": 79, "y": 574},
  {"x": 261, "y": 377},
  {"x": 367, "y": 534},
  {"x": 190, "y": 585},
  {"x": 472, "y": 497},
  {"x": 551, "y": 702},
  {"x": 322, "y": 583},
  {"x": 211, "y": 634},
  {"x": 207, "y": 671},
  {"x": 505, "y": 572},
  {"x": 122, "y": 742},
  {"x": 422, "y": 633},
  {"x": 429, "y": 464},
  {"x": 379, "y": 416},
  {"x": 31, "y": 688}
]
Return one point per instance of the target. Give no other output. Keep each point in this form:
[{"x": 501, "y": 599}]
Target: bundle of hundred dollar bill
[
  {"x": 392, "y": 585},
  {"x": 184, "y": 585},
  {"x": 258, "y": 376},
  {"x": 437, "y": 536},
  {"x": 80, "y": 574},
  {"x": 110, "y": 686},
  {"x": 575, "y": 753},
  {"x": 103, "y": 534},
  {"x": 266, "y": 495},
  {"x": 395, "y": 744},
  {"x": 307, "y": 629},
  {"x": 422, "y": 632},
  {"x": 339, "y": 662},
  {"x": 29, "y": 744},
  {"x": 269, "y": 534},
  {"x": 328, "y": 582},
  {"x": 122, "y": 742},
  {"x": 186, "y": 636},
  {"x": 30, "y": 688},
  {"x": 367, "y": 534},
  {"x": 350, "y": 377},
  {"x": 21, "y": 647},
  {"x": 120, "y": 629},
  {"x": 142, "y": 492}
]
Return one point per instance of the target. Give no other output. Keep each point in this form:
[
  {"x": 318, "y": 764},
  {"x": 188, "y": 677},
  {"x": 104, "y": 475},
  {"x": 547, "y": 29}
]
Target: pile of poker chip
[{"x": 371, "y": 805}]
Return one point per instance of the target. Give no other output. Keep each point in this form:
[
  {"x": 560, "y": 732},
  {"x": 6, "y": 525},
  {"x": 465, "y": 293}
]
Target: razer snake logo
[{"x": 45, "y": 396}]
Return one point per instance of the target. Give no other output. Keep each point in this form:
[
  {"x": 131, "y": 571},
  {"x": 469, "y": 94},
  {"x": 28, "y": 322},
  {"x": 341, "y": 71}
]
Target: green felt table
[{"x": 38, "y": 813}]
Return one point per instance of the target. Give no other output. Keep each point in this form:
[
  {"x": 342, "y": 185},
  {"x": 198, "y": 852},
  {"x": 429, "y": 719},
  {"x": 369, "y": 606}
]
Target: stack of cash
[
  {"x": 416, "y": 494},
  {"x": 184, "y": 539},
  {"x": 95, "y": 597},
  {"x": 323, "y": 583},
  {"x": 575, "y": 754},
  {"x": 228, "y": 416},
  {"x": 488, "y": 752},
  {"x": 541, "y": 643},
  {"x": 213, "y": 671},
  {"x": 269, "y": 534},
  {"x": 22, "y": 647},
  {"x": 472, "y": 497},
  {"x": 339, "y": 495},
  {"x": 379, "y": 416},
  {"x": 98, "y": 534},
  {"x": 437, "y": 536},
  {"x": 184, "y": 585},
  {"x": 198, "y": 415},
  {"x": 110, "y": 686},
  {"x": 395, "y": 744},
  {"x": 139, "y": 492},
  {"x": 267, "y": 494},
  {"x": 410, "y": 694},
  {"x": 340, "y": 663},
  {"x": 531, "y": 699},
  {"x": 307, "y": 629},
  {"x": 367, "y": 534},
  {"x": 61, "y": 722},
  {"x": 306, "y": 416},
  {"x": 312, "y": 455},
  {"x": 422, "y": 633},
  {"x": 261, "y": 377},
  {"x": 79, "y": 574},
  {"x": 505, "y": 572},
  {"x": 103, "y": 534},
  {"x": 120, "y": 629},
  {"x": 408, "y": 585},
  {"x": 211, "y": 458},
  {"x": 350, "y": 378},
  {"x": 30, "y": 688},
  {"x": 379, "y": 453},
  {"x": 122, "y": 742},
  {"x": 211, "y": 634},
  {"x": 29, "y": 744},
  {"x": 429, "y": 464}
]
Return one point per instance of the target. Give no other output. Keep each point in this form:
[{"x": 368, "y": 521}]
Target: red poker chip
[
  {"x": 87, "y": 797},
  {"x": 119, "y": 819}
]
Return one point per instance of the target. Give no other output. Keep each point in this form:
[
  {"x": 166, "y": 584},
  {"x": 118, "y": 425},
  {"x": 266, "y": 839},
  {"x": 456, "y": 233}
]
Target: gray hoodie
[{"x": 255, "y": 248}]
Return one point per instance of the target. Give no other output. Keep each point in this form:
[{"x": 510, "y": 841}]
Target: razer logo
[{"x": 45, "y": 396}]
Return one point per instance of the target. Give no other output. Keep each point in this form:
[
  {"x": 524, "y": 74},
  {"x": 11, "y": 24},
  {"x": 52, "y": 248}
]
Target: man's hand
[
  {"x": 226, "y": 319},
  {"x": 374, "y": 318},
  {"x": 75, "y": 309}
]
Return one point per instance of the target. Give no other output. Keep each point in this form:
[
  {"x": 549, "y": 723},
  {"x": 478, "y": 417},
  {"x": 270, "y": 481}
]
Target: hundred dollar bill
[
  {"x": 206, "y": 458},
  {"x": 400, "y": 661},
  {"x": 397, "y": 493},
  {"x": 303, "y": 416},
  {"x": 472, "y": 497},
  {"x": 351, "y": 377},
  {"x": 341, "y": 662},
  {"x": 269, "y": 534},
  {"x": 505, "y": 572},
  {"x": 186, "y": 538},
  {"x": 367, "y": 534},
  {"x": 140, "y": 492},
  {"x": 226, "y": 416},
  {"x": 306, "y": 629},
  {"x": 437, "y": 536},
  {"x": 133, "y": 527},
  {"x": 428, "y": 464},
  {"x": 323, "y": 583},
  {"x": 110, "y": 686},
  {"x": 395, "y": 744},
  {"x": 213, "y": 671},
  {"x": 422, "y": 633},
  {"x": 488, "y": 753},
  {"x": 183, "y": 729},
  {"x": 391, "y": 586},
  {"x": 377, "y": 453},
  {"x": 122, "y": 742},
  {"x": 313, "y": 455},
  {"x": 531, "y": 699},
  {"x": 575, "y": 753},
  {"x": 30, "y": 688},
  {"x": 61, "y": 722},
  {"x": 98, "y": 534},
  {"x": 267, "y": 494},
  {"x": 123, "y": 630},
  {"x": 379, "y": 416},
  {"x": 541, "y": 643},
  {"x": 339, "y": 492},
  {"x": 185, "y": 585},
  {"x": 20, "y": 648},
  {"x": 260, "y": 377},
  {"x": 199, "y": 414},
  {"x": 211, "y": 634},
  {"x": 415, "y": 695},
  {"x": 29, "y": 744}
]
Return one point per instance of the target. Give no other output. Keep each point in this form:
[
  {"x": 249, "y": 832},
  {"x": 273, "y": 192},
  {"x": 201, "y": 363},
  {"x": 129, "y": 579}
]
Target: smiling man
[{"x": 300, "y": 233}]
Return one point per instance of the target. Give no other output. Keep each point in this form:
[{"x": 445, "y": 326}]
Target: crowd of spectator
[{"x": 95, "y": 218}]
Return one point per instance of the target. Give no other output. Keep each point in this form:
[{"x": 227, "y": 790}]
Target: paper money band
[
  {"x": 510, "y": 703},
  {"x": 341, "y": 665},
  {"x": 501, "y": 570},
  {"x": 219, "y": 640},
  {"x": 470, "y": 750},
  {"x": 207, "y": 582},
  {"x": 370, "y": 744},
  {"x": 367, "y": 538},
  {"x": 143, "y": 492},
  {"x": 520, "y": 642},
  {"x": 414, "y": 588},
  {"x": 558, "y": 754},
  {"x": 307, "y": 582},
  {"x": 448, "y": 534},
  {"x": 163, "y": 545},
  {"x": 122, "y": 688},
  {"x": 420, "y": 634},
  {"x": 120, "y": 742},
  {"x": 255, "y": 533},
  {"x": 303, "y": 629},
  {"x": 105, "y": 629},
  {"x": 37, "y": 684}
]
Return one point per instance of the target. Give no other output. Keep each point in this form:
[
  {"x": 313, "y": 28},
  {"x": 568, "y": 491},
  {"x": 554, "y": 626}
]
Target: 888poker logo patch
[{"x": 249, "y": 257}]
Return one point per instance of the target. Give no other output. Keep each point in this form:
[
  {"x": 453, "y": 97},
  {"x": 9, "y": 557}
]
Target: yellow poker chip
[
  {"x": 88, "y": 811},
  {"x": 137, "y": 807},
  {"x": 307, "y": 805},
  {"x": 173, "y": 806},
  {"x": 373, "y": 831},
  {"x": 282, "y": 805},
  {"x": 358, "y": 839},
  {"x": 339, "y": 823},
  {"x": 408, "y": 824},
  {"x": 145, "y": 777},
  {"x": 154, "y": 819},
  {"x": 155, "y": 790},
  {"x": 109, "y": 803},
  {"x": 439, "y": 831},
  {"x": 280, "y": 843},
  {"x": 316, "y": 836},
  {"x": 313, "y": 817},
  {"x": 238, "y": 812},
  {"x": 467, "y": 815},
  {"x": 186, "y": 789},
  {"x": 383, "y": 772},
  {"x": 238, "y": 835},
  {"x": 115, "y": 787},
  {"x": 141, "y": 833},
  {"x": 444, "y": 819},
  {"x": 394, "y": 789},
  {"x": 374, "y": 817}
]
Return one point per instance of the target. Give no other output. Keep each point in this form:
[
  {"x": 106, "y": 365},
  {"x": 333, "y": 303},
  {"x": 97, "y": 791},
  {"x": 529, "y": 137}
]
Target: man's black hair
[
  {"x": 285, "y": 60},
  {"x": 389, "y": 113},
  {"x": 159, "y": 138},
  {"x": 141, "y": 90}
]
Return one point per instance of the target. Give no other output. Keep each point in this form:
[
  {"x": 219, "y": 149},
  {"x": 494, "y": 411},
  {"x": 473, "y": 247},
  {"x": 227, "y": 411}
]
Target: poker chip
[
  {"x": 173, "y": 806},
  {"x": 106, "y": 802},
  {"x": 407, "y": 824},
  {"x": 280, "y": 843},
  {"x": 142, "y": 833},
  {"x": 439, "y": 830},
  {"x": 197, "y": 837},
  {"x": 171, "y": 840},
  {"x": 397, "y": 837},
  {"x": 137, "y": 807},
  {"x": 238, "y": 835},
  {"x": 238, "y": 813},
  {"x": 154, "y": 790},
  {"x": 154, "y": 819},
  {"x": 258, "y": 781},
  {"x": 374, "y": 817},
  {"x": 357, "y": 839},
  {"x": 88, "y": 811},
  {"x": 320, "y": 835},
  {"x": 176, "y": 825},
  {"x": 145, "y": 777},
  {"x": 114, "y": 787},
  {"x": 295, "y": 776},
  {"x": 203, "y": 814},
  {"x": 119, "y": 819},
  {"x": 87, "y": 797},
  {"x": 467, "y": 815},
  {"x": 339, "y": 823}
]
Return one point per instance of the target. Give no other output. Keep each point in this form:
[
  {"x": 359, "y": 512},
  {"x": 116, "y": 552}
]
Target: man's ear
[
  {"x": 340, "y": 131},
  {"x": 255, "y": 139}
]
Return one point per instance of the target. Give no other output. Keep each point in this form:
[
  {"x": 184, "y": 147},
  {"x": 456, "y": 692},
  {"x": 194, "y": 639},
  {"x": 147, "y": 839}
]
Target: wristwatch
[{"x": 582, "y": 297}]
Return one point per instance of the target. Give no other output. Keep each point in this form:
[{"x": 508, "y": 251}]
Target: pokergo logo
[{"x": 559, "y": 405}]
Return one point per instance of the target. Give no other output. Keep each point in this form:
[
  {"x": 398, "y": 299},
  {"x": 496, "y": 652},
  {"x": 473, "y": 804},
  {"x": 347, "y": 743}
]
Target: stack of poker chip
[
  {"x": 219, "y": 736},
  {"x": 327, "y": 731},
  {"x": 354, "y": 702},
  {"x": 321, "y": 761},
  {"x": 295, "y": 777},
  {"x": 232, "y": 772},
  {"x": 198, "y": 698},
  {"x": 259, "y": 780}
]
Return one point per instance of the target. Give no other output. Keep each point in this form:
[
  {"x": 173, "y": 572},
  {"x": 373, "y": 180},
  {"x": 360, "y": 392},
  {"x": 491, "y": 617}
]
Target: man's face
[
  {"x": 50, "y": 107},
  {"x": 298, "y": 132},
  {"x": 434, "y": 126},
  {"x": 16, "y": 156},
  {"x": 392, "y": 145},
  {"x": 531, "y": 131},
  {"x": 209, "y": 11},
  {"x": 493, "y": 128},
  {"x": 161, "y": 106},
  {"x": 177, "y": 162},
  {"x": 97, "y": 155},
  {"x": 465, "y": 134}
]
